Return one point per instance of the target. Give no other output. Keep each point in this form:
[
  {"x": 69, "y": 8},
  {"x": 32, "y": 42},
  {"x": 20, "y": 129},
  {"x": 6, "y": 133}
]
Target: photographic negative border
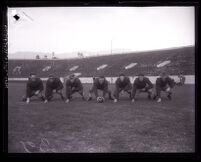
[{"x": 83, "y": 3}]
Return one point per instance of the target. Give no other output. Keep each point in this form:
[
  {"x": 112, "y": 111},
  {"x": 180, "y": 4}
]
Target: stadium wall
[{"x": 190, "y": 79}]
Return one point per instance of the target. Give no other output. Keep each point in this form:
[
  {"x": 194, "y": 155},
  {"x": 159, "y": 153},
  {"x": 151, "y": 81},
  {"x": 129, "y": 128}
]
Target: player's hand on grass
[
  {"x": 133, "y": 100},
  {"x": 28, "y": 100},
  {"x": 37, "y": 92},
  {"x": 67, "y": 101},
  {"x": 46, "y": 101},
  {"x": 159, "y": 100}
]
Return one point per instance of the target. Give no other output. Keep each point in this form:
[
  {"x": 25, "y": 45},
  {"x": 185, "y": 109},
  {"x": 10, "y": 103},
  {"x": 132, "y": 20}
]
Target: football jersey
[
  {"x": 77, "y": 83},
  {"x": 56, "y": 84},
  {"x": 99, "y": 85},
  {"x": 35, "y": 85},
  {"x": 143, "y": 83},
  {"x": 123, "y": 83},
  {"x": 164, "y": 83}
]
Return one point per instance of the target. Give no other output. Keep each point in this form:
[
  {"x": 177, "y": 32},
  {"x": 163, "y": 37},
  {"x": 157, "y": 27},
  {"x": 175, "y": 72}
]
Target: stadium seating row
[{"x": 150, "y": 63}]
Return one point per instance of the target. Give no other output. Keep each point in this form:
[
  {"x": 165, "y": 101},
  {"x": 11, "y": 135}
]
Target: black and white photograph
[{"x": 101, "y": 79}]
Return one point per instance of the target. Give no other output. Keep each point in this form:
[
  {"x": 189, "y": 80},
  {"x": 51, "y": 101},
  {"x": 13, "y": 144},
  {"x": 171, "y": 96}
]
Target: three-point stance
[
  {"x": 122, "y": 84},
  {"x": 142, "y": 84},
  {"x": 164, "y": 83},
  {"x": 34, "y": 87},
  {"x": 100, "y": 83},
  {"x": 73, "y": 84},
  {"x": 55, "y": 85}
]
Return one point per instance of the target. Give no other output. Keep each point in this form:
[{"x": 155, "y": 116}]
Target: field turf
[{"x": 81, "y": 126}]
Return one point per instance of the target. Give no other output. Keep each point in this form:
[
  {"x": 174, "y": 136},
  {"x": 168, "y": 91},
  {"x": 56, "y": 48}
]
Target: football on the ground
[{"x": 100, "y": 99}]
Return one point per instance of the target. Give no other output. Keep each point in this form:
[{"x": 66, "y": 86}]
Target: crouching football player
[
  {"x": 55, "y": 85},
  {"x": 122, "y": 84},
  {"x": 142, "y": 84},
  {"x": 73, "y": 84},
  {"x": 100, "y": 83},
  {"x": 34, "y": 87},
  {"x": 164, "y": 83}
]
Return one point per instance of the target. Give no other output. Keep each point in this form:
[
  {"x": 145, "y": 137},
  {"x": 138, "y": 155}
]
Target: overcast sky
[{"x": 77, "y": 29}]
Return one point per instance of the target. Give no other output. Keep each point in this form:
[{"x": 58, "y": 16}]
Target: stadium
[{"x": 81, "y": 126}]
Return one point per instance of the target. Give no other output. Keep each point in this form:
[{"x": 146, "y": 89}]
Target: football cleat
[{"x": 115, "y": 100}]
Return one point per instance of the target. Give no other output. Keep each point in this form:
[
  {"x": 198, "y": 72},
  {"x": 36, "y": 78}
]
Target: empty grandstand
[{"x": 151, "y": 63}]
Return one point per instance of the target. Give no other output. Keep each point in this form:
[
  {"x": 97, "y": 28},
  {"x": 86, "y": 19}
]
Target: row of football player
[{"x": 35, "y": 87}]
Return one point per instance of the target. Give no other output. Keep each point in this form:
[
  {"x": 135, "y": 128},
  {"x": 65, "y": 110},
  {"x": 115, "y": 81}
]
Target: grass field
[{"x": 81, "y": 126}]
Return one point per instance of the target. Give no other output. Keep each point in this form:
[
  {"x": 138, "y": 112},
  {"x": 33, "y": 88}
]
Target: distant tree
[
  {"x": 45, "y": 56},
  {"x": 37, "y": 57}
]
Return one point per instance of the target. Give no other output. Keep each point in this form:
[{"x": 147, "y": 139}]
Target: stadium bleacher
[{"x": 181, "y": 60}]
